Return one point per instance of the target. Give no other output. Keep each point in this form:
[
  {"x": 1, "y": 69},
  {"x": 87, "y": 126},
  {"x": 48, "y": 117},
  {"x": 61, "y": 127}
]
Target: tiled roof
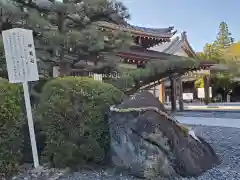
[
  {"x": 169, "y": 47},
  {"x": 177, "y": 43},
  {"x": 146, "y": 54},
  {"x": 174, "y": 45},
  {"x": 150, "y": 32}
]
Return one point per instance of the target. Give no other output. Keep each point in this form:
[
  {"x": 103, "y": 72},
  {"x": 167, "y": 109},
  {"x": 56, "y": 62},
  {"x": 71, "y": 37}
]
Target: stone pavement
[
  {"x": 206, "y": 120},
  {"x": 210, "y": 114},
  {"x": 212, "y": 106}
]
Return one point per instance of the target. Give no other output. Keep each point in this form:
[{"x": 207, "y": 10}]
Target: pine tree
[
  {"x": 216, "y": 51},
  {"x": 68, "y": 35},
  {"x": 3, "y": 70},
  {"x": 224, "y": 39}
]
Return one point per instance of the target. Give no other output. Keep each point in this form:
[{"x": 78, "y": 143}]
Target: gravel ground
[
  {"x": 210, "y": 114},
  {"x": 225, "y": 141}
]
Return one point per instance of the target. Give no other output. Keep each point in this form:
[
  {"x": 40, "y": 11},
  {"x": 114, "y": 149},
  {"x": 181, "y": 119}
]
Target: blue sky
[{"x": 200, "y": 18}]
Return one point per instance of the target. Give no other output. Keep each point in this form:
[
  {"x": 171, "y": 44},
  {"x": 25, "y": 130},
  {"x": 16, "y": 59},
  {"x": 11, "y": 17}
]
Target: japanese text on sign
[{"x": 20, "y": 55}]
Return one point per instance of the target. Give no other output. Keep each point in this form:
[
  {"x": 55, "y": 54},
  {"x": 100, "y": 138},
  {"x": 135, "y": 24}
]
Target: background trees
[
  {"x": 224, "y": 39},
  {"x": 223, "y": 51}
]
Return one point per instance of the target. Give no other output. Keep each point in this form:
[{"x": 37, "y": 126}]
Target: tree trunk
[
  {"x": 64, "y": 66},
  {"x": 206, "y": 90},
  {"x": 181, "y": 104},
  {"x": 224, "y": 95},
  {"x": 173, "y": 94}
]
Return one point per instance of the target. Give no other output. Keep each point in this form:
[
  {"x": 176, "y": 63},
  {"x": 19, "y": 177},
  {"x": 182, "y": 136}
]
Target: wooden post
[
  {"x": 181, "y": 106},
  {"x": 173, "y": 93},
  {"x": 206, "y": 89},
  {"x": 161, "y": 92}
]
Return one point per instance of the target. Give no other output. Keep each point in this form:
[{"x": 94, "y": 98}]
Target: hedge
[
  {"x": 11, "y": 123},
  {"x": 72, "y": 113}
]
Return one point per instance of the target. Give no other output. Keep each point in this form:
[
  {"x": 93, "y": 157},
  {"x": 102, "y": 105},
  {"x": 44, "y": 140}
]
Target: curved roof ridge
[
  {"x": 187, "y": 45},
  {"x": 153, "y": 30},
  {"x": 177, "y": 35},
  {"x": 175, "y": 45},
  {"x": 158, "y": 33},
  {"x": 184, "y": 35}
]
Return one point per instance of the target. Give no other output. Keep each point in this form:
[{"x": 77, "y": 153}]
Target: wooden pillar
[
  {"x": 181, "y": 106},
  {"x": 173, "y": 93},
  {"x": 206, "y": 89},
  {"x": 162, "y": 92}
]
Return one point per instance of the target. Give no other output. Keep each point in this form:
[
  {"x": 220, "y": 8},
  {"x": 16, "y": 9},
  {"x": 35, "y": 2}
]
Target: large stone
[{"x": 149, "y": 142}]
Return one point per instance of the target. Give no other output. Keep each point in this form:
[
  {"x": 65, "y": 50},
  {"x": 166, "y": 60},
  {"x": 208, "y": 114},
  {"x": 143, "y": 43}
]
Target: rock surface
[{"x": 148, "y": 142}]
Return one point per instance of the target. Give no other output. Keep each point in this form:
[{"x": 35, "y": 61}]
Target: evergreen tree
[
  {"x": 216, "y": 51},
  {"x": 68, "y": 34},
  {"x": 224, "y": 39},
  {"x": 3, "y": 70},
  {"x": 213, "y": 53}
]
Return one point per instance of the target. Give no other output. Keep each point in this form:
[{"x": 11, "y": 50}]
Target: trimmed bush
[
  {"x": 72, "y": 112},
  {"x": 10, "y": 127},
  {"x": 35, "y": 89}
]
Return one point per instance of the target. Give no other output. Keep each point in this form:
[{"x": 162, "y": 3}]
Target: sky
[{"x": 199, "y": 18}]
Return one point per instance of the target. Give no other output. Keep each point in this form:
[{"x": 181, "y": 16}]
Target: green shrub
[
  {"x": 40, "y": 139},
  {"x": 10, "y": 127},
  {"x": 35, "y": 89},
  {"x": 72, "y": 112}
]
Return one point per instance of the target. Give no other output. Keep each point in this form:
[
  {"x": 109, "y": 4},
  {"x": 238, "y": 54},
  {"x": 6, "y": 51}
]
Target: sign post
[{"x": 22, "y": 67}]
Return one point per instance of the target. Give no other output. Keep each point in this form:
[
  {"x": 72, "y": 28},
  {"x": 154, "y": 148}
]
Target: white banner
[
  {"x": 187, "y": 96},
  {"x": 201, "y": 93}
]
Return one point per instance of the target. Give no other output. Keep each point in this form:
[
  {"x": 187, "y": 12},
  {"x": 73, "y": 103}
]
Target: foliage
[
  {"x": 67, "y": 33},
  {"x": 223, "y": 51},
  {"x": 11, "y": 17},
  {"x": 132, "y": 80},
  {"x": 222, "y": 81},
  {"x": 199, "y": 83},
  {"x": 10, "y": 128},
  {"x": 233, "y": 56},
  {"x": 72, "y": 114},
  {"x": 224, "y": 39},
  {"x": 3, "y": 70},
  {"x": 234, "y": 51},
  {"x": 211, "y": 53},
  {"x": 216, "y": 51}
]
